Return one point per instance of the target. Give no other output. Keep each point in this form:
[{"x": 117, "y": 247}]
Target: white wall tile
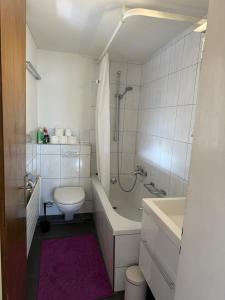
[
  {"x": 132, "y": 98},
  {"x": 38, "y": 165},
  {"x": 48, "y": 187},
  {"x": 85, "y": 166},
  {"x": 176, "y": 187},
  {"x": 93, "y": 164},
  {"x": 165, "y": 61},
  {"x": 34, "y": 166},
  {"x": 192, "y": 45},
  {"x": 183, "y": 123},
  {"x": 112, "y": 119},
  {"x": 173, "y": 89},
  {"x": 38, "y": 149},
  {"x": 94, "y": 88},
  {"x": 50, "y": 166},
  {"x": 164, "y": 91},
  {"x": 29, "y": 167},
  {"x": 179, "y": 159},
  {"x": 85, "y": 149},
  {"x": 129, "y": 142},
  {"x": 70, "y": 149},
  {"x": 29, "y": 152},
  {"x": 70, "y": 182},
  {"x": 192, "y": 124},
  {"x": 85, "y": 136},
  {"x": 113, "y": 146},
  {"x": 187, "y": 87},
  {"x": 176, "y": 58},
  {"x": 113, "y": 162},
  {"x": 87, "y": 185},
  {"x": 50, "y": 149},
  {"x": 93, "y": 140},
  {"x": 70, "y": 166},
  {"x": 114, "y": 68},
  {"x": 127, "y": 163},
  {"x": 130, "y": 120},
  {"x": 134, "y": 73},
  {"x": 92, "y": 118},
  {"x": 188, "y": 160}
]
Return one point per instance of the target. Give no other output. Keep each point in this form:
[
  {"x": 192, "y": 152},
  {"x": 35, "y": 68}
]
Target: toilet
[{"x": 69, "y": 200}]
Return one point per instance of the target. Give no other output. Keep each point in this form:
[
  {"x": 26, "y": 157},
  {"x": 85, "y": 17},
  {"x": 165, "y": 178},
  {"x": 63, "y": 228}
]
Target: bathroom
[{"x": 122, "y": 139}]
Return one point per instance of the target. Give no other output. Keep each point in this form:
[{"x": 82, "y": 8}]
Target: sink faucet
[{"x": 139, "y": 170}]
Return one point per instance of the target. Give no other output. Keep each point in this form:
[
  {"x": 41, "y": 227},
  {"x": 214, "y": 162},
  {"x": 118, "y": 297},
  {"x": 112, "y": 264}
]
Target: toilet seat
[{"x": 69, "y": 195}]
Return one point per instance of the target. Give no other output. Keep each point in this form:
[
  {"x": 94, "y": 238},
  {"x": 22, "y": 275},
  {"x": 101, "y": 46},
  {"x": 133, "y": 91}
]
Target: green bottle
[{"x": 40, "y": 135}]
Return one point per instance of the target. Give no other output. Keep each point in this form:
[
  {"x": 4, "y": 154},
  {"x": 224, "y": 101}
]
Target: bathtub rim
[{"x": 120, "y": 225}]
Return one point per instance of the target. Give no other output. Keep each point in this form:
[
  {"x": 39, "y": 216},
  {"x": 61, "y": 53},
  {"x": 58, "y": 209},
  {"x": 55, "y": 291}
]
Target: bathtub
[{"x": 118, "y": 225}]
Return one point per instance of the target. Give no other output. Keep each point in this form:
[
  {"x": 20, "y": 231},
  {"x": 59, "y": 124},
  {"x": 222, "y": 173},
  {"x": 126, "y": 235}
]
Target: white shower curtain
[{"x": 102, "y": 121}]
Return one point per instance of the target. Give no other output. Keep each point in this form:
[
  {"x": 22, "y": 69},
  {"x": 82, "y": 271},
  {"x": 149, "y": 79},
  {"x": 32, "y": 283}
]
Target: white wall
[
  {"x": 31, "y": 84},
  {"x": 202, "y": 266},
  {"x": 66, "y": 91},
  {"x": 31, "y": 106},
  {"x": 167, "y": 113}
]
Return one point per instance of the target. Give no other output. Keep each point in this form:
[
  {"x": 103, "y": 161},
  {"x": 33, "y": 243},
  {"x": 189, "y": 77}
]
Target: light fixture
[
  {"x": 64, "y": 8},
  {"x": 201, "y": 26}
]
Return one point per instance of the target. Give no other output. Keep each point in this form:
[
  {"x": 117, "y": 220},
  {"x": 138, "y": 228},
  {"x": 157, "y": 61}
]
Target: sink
[
  {"x": 162, "y": 223},
  {"x": 169, "y": 214}
]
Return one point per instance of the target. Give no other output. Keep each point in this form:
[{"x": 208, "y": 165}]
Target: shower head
[{"x": 127, "y": 89}]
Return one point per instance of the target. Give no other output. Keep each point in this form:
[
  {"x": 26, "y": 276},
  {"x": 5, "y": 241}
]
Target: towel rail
[{"x": 32, "y": 70}]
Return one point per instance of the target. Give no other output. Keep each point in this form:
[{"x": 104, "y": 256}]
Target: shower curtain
[{"x": 102, "y": 122}]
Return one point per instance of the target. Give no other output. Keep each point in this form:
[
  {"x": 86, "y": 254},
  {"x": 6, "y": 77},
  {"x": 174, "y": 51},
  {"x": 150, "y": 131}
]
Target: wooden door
[{"x": 12, "y": 147}]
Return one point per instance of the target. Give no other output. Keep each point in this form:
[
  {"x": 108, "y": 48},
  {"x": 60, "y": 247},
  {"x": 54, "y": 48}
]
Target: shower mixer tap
[{"x": 140, "y": 171}]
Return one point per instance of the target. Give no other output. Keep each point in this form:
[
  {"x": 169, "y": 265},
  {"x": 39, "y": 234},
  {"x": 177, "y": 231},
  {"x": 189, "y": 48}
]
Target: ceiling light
[
  {"x": 201, "y": 26},
  {"x": 64, "y": 8}
]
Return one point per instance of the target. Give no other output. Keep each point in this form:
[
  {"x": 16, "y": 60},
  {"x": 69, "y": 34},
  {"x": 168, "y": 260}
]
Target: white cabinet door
[{"x": 160, "y": 283}]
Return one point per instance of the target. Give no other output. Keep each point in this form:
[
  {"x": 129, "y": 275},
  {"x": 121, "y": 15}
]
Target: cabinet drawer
[
  {"x": 160, "y": 244},
  {"x": 162, "y": 287}
]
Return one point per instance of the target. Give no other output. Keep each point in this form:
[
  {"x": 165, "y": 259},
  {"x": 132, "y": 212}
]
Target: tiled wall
[
  {"x": 130, "y": 75},
  {"x": 167, "y": 112},
  {"x": 64, "y": 165},
  {"x": 31, "y": 106}
]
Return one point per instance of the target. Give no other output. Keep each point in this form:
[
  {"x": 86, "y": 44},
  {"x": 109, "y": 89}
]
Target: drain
[{"x": 114, "y": 207}]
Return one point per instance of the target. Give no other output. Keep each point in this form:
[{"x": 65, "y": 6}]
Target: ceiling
[{"x": 85, "y": 26}]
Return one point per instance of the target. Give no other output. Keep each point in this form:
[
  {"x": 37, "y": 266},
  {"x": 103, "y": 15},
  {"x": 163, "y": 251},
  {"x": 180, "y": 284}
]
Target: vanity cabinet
[{"x": 159, "y": 255}]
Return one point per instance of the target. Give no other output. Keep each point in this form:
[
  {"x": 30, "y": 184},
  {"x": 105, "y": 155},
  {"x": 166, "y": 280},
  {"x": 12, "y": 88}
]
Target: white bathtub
[{"x": 118, "y": 229}]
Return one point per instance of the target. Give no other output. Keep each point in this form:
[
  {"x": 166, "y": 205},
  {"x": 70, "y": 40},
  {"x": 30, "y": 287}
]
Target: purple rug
[{"x": 72, "y": 269}]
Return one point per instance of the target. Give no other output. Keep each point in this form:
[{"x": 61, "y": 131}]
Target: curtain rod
[
  {"x": 145, "y": 13},
  {"x": 32, "y": 70}
]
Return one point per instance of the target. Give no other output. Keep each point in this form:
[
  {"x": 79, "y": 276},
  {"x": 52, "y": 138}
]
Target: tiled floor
[{"x": 57, "y": 231}]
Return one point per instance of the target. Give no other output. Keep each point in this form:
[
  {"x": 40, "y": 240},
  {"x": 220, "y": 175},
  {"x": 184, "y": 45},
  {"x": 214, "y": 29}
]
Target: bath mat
[{"x": 72, "y": 269}]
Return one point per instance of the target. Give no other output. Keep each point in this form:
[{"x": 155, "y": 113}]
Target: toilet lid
[{"x": 69, "y": 195}]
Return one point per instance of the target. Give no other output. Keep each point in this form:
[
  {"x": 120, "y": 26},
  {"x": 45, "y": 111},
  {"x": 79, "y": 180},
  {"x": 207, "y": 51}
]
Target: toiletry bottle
[
  {"x": 46, "y": 136},
  {"x": 40, "y": 136}
]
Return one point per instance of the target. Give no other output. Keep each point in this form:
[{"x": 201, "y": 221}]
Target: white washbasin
[{"x": 169, "y": 214}]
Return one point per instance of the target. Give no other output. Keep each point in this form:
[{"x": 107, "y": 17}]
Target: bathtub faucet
[{"x": 140, "y": 171}]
